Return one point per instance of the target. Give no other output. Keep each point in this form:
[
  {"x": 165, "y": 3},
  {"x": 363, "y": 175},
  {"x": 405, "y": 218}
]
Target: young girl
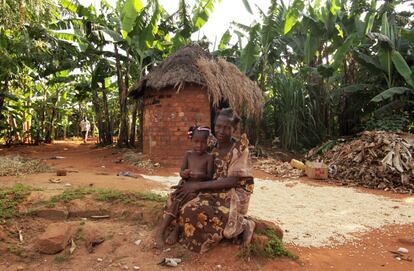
[{"x": 197, "y": 166}]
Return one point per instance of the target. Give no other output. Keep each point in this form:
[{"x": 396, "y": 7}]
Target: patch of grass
[
  {"x": 18, "y": 251},
  {"x": 60, "y": 258},
  {"x": 11, "y": 197},
  {"x": 151, "y": 196},
  {"x": 274, "y": 248},
  {"x": 107, "y": 195},
  {"x": 79, "y": 235},
  {"x": 127, "y": 197},
  {"x": 69, "y": 195}
]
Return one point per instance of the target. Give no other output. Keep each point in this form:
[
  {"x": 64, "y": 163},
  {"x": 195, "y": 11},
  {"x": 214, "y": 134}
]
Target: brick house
[{"x": 186, "y": 89}]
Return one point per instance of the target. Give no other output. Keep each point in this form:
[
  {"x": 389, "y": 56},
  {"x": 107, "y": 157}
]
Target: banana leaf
[{"x": 389, "y": 93}]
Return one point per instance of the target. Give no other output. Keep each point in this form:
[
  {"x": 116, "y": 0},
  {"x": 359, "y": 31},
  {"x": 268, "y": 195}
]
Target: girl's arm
[{"x": 184, "y": 172}]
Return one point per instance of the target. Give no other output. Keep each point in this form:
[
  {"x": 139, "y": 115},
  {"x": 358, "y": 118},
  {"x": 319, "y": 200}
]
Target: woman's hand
[
  {"x": 197, "y": 175},
  {"x": 185, "y": 189}
]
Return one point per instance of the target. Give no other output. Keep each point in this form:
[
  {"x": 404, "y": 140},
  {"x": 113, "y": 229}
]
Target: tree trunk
[
  {"x": 122, "y": 89},
  {"x": 133, "y": 123},
  {"x": 49, "y": 130},
  {"x": 107, "y": 126},
  {"x": 98, "y": 113}
]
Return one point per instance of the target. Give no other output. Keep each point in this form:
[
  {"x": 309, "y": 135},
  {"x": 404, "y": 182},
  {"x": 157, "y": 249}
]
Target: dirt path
[{"x": 329, "y": 227}]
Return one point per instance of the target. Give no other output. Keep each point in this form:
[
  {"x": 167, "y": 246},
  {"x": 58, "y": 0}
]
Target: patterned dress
[{"x": 214, "y": 215}]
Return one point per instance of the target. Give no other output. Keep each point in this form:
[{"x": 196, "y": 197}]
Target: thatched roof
[{"x": 222, "y": 80}]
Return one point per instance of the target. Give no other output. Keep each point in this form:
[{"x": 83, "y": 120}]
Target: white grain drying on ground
[{"x": 319, "y": 216}]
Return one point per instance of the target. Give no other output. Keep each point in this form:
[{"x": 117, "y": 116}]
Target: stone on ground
[
  {"x": 260, "y": 241},
  {"x": 263, "y": 225},
  {"x": 54, "y": 239},
  {"x": 93, "y": 236}
]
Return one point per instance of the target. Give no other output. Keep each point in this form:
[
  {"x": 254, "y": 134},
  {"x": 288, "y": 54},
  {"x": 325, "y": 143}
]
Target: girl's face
[
  {"x": 224, "y": 129},
  {"x": 199, "y": 143}
]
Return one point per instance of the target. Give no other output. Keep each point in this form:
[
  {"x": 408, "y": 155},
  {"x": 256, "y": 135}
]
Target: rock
[
  {"x": 56, "y": 213},
  {"x": 137, "y": 242},
  {"x": 61, "y": 172},
  {"x": 125, "y": 267},
  {"x": 93, "y": 236},
  {"x": 99, "y": 259},
  {"x": 85, "y": 208},
  {"x": 57, "y": 158},
  {"x": 20, "y": 267},
  {"x": 260, "y": 241},
  {"x": 262, "y": 226},
  {"x": 136, "y": 268},
  {"x": 403, "y": 250},
  {"x": 54, "y": 239}
]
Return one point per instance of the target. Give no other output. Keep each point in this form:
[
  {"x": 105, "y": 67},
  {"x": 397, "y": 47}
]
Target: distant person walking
[{"x": 85, "y": 126}]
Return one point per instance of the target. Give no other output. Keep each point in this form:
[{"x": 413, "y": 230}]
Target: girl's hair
[
  {"x": 202, "y": 130},
  {"x": 229, "y": 113}
]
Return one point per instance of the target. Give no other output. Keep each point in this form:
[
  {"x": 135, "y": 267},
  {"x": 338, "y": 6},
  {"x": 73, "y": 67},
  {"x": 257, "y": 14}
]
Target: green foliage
[
  {"x": 10, "y": 198},
  {"x": 389, "y": 93},
  {"x": 60, "y": 258},
  {"x": 325, "y": 66},
  {"x": 274, "y": 248},
  {"x": 69, "y": 195},
  {"x": 129, "y": 14},
  {"x": 294, "y": 113},
  {"x": 292, "y": 15},
  {"x": 392, "y": 123},
  {"x": 107, "y": 195},
  {"x": 126, "y": 197}
]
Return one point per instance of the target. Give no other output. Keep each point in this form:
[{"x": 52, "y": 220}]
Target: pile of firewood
[{"x": 375, "y": 159}]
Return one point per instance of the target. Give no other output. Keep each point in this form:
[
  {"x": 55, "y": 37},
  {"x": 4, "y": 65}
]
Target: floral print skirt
[{"x": 212, "y": 216}]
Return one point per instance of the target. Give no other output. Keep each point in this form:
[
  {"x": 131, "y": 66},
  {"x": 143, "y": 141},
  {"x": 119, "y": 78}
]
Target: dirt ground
[{"x": 97, "y": 167}]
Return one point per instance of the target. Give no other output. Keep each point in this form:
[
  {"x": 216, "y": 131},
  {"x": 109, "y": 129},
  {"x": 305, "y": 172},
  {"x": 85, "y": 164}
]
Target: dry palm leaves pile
[
  {"x": 17, "y": 165},
  {"x": 376, "y": 159},
  {"x": 277, "y": 168}
]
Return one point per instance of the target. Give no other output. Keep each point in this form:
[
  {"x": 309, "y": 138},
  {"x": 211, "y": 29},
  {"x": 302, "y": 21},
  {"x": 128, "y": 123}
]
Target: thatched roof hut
[
  {"x": 222, "y": 80},
  {"x": 185, "y": 90}
]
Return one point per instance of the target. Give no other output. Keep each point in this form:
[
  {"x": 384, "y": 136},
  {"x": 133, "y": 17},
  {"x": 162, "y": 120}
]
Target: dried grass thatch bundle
[
  {"x": 376, "y": 159},
  {"x": 16, "y": 165},
  {"x": 222, "y": 80}
]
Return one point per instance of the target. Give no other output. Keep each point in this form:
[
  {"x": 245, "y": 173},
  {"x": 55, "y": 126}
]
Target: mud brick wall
[{"x": 167, "y": 117}]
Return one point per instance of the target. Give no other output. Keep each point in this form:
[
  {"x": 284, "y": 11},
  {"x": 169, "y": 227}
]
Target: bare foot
[
  {"x": 248, "y": 232},
  {"x": 159, "y": 241},
  {"x": 173, "y": 236}
]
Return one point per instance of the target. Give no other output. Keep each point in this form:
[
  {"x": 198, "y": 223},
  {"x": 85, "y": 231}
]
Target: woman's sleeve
[{"x": 240, "y": 164}]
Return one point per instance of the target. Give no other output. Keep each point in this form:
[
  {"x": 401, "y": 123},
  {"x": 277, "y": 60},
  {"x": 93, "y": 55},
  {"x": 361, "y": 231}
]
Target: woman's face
[{"x": 224, "y": 129}]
